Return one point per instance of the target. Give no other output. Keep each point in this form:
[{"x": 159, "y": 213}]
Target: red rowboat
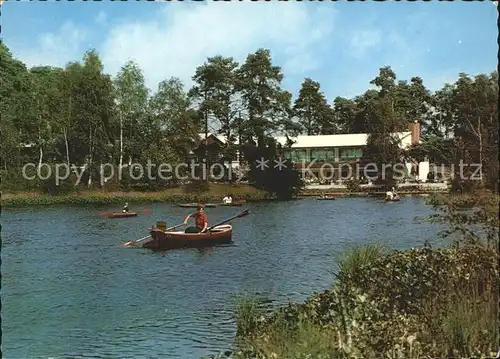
[
  {"x": 179, "y": 239},
  {"x": 122, "y": 214}
]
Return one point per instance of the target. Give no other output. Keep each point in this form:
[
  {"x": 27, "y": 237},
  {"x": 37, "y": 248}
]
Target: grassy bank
[
  {"x": 366, "y": 191},
  {"x": 393, "y": 304},
  {"x": 214, "y": 193}
]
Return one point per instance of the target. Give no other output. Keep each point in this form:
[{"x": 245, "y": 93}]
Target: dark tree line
[{"x": 81, "y": 116}]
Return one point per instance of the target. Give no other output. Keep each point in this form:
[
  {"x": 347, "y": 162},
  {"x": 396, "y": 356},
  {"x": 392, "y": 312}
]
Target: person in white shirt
[
  {"x": 389, "y": 195},
  {"x": 227, "y": 199}
]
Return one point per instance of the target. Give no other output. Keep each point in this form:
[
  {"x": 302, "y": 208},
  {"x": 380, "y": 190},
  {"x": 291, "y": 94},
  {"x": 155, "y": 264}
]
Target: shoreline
[
  {"x": 176, "y": 195},
  {"x": 98, "y": 197}
]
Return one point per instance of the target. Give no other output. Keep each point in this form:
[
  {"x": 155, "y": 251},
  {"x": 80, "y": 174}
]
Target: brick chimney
[{"x": 415, "y": 132}]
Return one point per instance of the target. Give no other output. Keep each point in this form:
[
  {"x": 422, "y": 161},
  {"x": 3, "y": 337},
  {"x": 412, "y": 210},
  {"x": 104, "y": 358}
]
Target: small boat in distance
[
  {"x": 324, "y": 197},
  {"x": 122, "y": 214},
  {"x": 195, "y": 205},
  {"x": 179, "y": 239}
]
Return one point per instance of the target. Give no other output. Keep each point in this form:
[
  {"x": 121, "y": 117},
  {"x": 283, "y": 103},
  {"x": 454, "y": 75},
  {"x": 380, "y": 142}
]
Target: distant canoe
[
  {"x": 392, "y": 200},
  {"x": 122, "y": 215},
  {"x": 326, "y": 198},
  {"x": 195, "y": 205}
]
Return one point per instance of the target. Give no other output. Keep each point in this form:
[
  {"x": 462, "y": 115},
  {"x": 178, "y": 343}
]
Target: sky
[{"x": 341, "y": 44}]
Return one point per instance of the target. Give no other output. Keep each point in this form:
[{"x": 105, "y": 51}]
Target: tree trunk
[
  {"x": 68, "y": 121},
  {"x": 121, "y": 141},
  {"x": 207, "y": 163},
  {"x": 67, "y": 146},
  {"x": 480, "y": 135},
  {"x": 40, "y": 145},
  {"x": 91, "y": 150},
  {"x": 41, "y": 156}
]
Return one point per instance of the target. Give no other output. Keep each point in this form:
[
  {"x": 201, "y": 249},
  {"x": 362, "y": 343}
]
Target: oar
[
  {"x": 105, "y": 214},
  {"x": 133, "y": 243},
  {"x": 239, "y": 215}
]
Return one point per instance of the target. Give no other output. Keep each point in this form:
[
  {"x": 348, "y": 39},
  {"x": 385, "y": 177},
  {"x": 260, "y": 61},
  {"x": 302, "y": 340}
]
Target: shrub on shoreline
[{"x": 400, "y": 304}]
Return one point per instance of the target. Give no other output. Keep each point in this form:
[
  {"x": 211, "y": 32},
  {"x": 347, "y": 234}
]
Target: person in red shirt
[{"x": 201, "y": 220}]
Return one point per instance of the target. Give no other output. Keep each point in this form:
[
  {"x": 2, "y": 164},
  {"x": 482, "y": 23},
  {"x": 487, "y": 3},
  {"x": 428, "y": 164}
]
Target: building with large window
[
  {"x": 323, "y": 155},
  {"x": 317, "y": 151}
]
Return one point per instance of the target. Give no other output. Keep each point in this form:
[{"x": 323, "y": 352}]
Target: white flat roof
[
  {"x": 315, "y": 141},
  {"x": 349, "y": 140}
]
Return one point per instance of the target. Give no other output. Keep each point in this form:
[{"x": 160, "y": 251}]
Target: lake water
[{"x": 69, "y": 290}]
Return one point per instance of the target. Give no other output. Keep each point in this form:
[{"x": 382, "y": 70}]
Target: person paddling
[
  {"x": 395, "y": 195},
  {"x": 125, "y": 208},
  {"x": 201, "y": 220}
]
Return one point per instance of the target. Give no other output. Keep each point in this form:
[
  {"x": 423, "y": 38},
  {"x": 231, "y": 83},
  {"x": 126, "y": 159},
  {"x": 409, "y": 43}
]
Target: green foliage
[
  {"x": 215, "y": 91},
  {"x": 468, "y": 110},
  {"x": 312, "y": 110},
  {"x": 477, "y": 224},
  {"x": 436, "y": 149},
  {"x": 348, "y": 116},
  {"x": 267, "y": 106},
  {"x": 197, "y": 186},
  {"x": 176, "y": 126},
  {"x": 248, "y": 314},
  {"x": 357, "y": 257},
  {"x": 401, "y": 304},
  {"x": 353, "y": 185},
  {"x": 284, "y": 183},
  {"x": 131, "y": 97}
]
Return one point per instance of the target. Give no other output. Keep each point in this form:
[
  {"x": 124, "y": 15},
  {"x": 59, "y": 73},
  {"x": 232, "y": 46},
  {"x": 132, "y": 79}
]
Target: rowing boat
[
  {"x": 325, "y": 198},
  {"x": 179, "y": 239},
  {"x": 122, "y": 214},
  {"x": 195, "y": 205},
  {"x": 396, "y": 199}
]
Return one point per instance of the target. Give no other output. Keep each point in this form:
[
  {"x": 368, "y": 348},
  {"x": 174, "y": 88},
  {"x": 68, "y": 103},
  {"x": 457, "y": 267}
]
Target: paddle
[
  {"x": 105, "y": 214},
  {"x": 133, "y": 243},
  {"x": 239, "y": 215}
]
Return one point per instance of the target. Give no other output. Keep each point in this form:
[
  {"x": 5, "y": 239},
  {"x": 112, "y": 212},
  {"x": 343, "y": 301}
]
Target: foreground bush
[{"x": 403, "y": 304}]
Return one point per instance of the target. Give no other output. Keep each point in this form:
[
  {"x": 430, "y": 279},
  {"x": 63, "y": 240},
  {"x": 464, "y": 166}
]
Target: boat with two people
[
  {"x": 391, "y": 196},
  {"x": 324, "y": 197}
]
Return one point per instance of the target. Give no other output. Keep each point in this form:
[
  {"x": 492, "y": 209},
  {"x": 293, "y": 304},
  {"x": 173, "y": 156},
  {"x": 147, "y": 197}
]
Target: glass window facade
[
  {"x": 350, "y": 153},
  {"x": 322, "y": 154}
]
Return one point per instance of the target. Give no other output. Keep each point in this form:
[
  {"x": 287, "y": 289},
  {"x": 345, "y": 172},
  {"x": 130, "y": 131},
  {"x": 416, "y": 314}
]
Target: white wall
[{"x": 423, "y": 171}]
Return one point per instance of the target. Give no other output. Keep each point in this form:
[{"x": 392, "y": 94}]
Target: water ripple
[{"x": 70, "y": 291}]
